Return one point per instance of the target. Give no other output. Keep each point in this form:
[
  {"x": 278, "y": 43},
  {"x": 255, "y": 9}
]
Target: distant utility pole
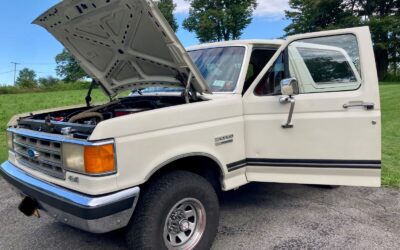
[{"x": 15, "y": 70}]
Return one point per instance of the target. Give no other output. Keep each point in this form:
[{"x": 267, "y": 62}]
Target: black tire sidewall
[{"x": 162, "y": 195}]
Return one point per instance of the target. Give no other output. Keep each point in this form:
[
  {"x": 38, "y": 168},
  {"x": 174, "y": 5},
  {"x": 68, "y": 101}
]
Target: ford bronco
[{"x": 301, "y": 110}]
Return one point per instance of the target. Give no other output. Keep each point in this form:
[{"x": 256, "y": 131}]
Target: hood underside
[{"x": 123, "y": 44}]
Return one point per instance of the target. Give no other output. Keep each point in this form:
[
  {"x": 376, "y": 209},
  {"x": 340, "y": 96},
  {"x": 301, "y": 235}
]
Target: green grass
[
  {"x": 390, "y": 93},
  {"x": 59, "y": 86}
]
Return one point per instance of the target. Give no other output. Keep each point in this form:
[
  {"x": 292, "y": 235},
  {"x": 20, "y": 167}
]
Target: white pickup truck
[{"x": 301, "y": 110}]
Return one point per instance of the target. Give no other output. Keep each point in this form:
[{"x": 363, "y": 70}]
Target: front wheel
[{"x": 178, "y": 210}]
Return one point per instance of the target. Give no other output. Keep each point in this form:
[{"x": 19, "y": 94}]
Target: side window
[
  {"x": 325, "y": 64},
  {"x": 270, "y": 83},
  {"x": 259, "y": 58}
]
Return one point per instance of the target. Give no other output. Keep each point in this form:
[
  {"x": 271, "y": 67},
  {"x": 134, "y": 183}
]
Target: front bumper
[{"x": 96, "y": 214}]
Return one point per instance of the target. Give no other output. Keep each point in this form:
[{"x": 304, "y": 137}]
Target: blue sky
[{"x": 34, "y": 48}]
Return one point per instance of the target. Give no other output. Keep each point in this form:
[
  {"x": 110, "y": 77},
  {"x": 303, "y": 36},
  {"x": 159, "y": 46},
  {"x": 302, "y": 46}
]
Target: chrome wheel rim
[{"x": 185, "y": 224}]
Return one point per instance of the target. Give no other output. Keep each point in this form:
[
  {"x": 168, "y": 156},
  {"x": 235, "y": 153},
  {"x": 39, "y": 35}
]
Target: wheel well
[{"x": 201, "y": 165}]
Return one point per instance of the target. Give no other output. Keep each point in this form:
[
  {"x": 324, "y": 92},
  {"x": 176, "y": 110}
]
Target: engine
[{"x": 80, "y": 122}]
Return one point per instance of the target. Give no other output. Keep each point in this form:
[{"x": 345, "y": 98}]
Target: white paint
[{"x": 323, "y": 129}]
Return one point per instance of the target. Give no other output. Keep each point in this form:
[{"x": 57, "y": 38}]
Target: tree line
[
  {"x": 220, "y": 20},
  {"x": 28, "y": 82},
  {"x": 27, "y": 78}
]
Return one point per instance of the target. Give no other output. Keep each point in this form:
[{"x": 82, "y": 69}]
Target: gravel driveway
[{"x": 257, "y": 216}]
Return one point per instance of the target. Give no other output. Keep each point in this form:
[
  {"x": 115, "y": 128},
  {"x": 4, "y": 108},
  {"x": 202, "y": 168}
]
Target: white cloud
[
  {"x": 265, "y": 8},
  {"x": 182, "y": 6},
  {"x": 271, "y": 8}
]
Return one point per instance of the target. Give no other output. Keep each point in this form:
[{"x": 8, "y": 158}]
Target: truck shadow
[
  {"x": 246, "y": 200},
  {"x": 256, "y": 216}
]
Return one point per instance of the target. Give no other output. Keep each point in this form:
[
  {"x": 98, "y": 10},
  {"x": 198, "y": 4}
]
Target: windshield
[{"x": 220, "y": 67}]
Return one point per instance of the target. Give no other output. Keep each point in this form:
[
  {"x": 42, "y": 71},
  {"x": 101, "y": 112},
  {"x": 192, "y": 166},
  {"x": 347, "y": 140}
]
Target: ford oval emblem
[{"x": 32, "y": 153}]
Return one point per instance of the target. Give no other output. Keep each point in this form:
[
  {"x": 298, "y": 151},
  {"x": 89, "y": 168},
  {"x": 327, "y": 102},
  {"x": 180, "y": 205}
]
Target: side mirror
[{"x": 289, "y": 87}]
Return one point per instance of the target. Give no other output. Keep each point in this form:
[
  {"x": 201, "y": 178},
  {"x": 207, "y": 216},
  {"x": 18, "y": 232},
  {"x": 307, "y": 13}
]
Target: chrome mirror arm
[
  {"x": 292, "y": 101},
  {"x": 289, "y": 87}
]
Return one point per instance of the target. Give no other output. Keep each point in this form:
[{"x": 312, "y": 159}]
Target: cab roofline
[{"x": 273, "y": 42}]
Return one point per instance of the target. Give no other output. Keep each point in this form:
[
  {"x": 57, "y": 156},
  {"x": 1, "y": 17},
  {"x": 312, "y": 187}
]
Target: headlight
[
  {"x": 89, "y": 159},
  {"x": 73, "y": 157},
  {"x": 10, "y": 140}
]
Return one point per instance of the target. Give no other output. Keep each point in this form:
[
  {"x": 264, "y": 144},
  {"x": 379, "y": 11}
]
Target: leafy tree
[
  {"x": 383, "y": 17},
  {"x": 218, "y": 20},
  {"x": 26, "y": 78},
  {"x": 48, "y": 81},
  {"x": 310, "y": 16},
  {"x": 68, "y": 68},
  {"x": 167, "y": 8}
]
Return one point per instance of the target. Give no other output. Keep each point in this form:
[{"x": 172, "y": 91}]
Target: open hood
[{"x": 123, "y": 44}]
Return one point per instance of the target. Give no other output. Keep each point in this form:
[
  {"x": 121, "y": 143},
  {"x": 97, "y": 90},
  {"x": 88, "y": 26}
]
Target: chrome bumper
[{"x": 96, "y": 214}]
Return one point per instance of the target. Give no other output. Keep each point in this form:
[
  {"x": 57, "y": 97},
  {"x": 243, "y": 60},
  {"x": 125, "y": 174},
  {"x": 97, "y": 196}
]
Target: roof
[{"x": 274, "y": 42}]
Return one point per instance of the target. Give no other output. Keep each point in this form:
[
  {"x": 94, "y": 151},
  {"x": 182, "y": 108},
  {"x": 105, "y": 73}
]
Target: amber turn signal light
[{"x": 99, "y": 159}]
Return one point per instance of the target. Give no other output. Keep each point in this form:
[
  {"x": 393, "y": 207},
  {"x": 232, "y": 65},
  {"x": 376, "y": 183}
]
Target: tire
[{"x": 178, "y": 206}]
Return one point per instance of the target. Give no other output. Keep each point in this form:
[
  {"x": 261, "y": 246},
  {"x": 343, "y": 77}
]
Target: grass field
[{"x": 390, "y": 93}]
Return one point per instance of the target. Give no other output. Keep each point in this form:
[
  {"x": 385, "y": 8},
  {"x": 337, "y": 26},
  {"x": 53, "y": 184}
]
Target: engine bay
[{"x": 80, "y": 122}]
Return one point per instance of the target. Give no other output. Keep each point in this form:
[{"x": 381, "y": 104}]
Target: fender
[{"x": 182, "y": 156}]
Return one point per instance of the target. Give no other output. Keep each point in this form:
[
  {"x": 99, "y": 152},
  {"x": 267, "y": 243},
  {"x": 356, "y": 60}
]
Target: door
[{"x": 334, "y": 137}]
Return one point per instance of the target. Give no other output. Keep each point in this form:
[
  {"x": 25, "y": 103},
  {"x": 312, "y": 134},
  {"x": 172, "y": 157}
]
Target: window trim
[
  {"x": 283, "y": 50},
  {"x": 329, "y": 85}
]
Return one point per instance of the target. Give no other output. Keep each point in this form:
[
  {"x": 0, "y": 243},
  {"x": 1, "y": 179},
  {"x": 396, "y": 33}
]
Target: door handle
[{"x": 366, "y": 105}]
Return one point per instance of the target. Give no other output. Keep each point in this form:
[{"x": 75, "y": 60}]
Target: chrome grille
[{"x": 47, "y": 158}]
